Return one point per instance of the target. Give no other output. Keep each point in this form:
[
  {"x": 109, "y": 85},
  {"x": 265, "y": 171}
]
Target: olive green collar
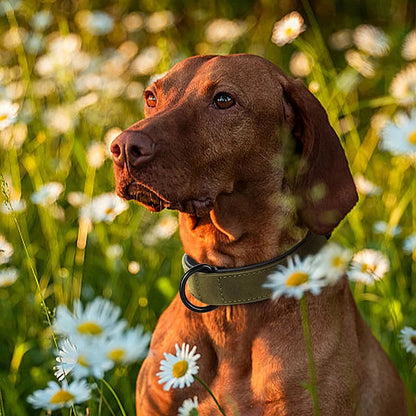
[{"x": 217, "y": 286}]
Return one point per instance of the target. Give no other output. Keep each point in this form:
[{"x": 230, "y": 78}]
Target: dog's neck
[{"x": 249, "y": 225}]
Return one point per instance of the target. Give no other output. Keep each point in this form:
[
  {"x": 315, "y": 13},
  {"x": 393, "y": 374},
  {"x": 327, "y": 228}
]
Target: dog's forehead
[{"x": 238, "y": 69}]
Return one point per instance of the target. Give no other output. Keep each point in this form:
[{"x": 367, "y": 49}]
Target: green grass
[{"x": 60, "y": 260}]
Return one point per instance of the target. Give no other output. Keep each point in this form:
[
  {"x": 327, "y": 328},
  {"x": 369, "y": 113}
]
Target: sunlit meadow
[{"x": 72, "y": 76}]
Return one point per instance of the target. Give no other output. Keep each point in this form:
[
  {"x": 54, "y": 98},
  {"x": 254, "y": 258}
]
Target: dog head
[{"x": 215, "y": 122}]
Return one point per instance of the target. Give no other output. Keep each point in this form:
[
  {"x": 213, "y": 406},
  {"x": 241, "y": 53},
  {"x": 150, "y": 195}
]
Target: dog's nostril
[
  {"x": 135, "y": 151},
  {"x": 115, "y": 150}
]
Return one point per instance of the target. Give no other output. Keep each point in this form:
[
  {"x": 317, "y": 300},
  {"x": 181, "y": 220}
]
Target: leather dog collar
[{"x": 217, "y": 286}]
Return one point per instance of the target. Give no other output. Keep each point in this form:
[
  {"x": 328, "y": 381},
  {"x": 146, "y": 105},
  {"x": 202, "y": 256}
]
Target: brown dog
[{"x": 218, "y": 144}]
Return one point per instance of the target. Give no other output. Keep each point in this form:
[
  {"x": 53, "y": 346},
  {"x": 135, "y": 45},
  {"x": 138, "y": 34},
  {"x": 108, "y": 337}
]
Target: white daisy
[
  {"x": 178, "y": 370},
  {"x": 409, "y": 46},
  {"x": 371, "y": 40},
  {"x": 95, "y": 22},
  {"x": 16, "y": 205},
  {"x": 56, "y": 396},
  {"x": 8, "y": 276},
  {"x": 8, "y": 113},
  {"x": 133, "y": 21},
  {"x": 133, "y": 267},
  {"x": 332, "y": 262},
  {"x": 381, "y": 227},
  {"x": 367, "y": 266},
  {"x": 99, "y": 318},
  {"x": 366, "y": 187},
  {"x": 159, "y": 21},
  {"x": 128, "y": 347},
  {"x": 300, "y": 65},
  {"x": 408, "y": 339},
  {"x": 114, "y": 251},
  {"x": 6, "y": 250},
  {"x": 298, "y": 277},
  {"x": 47, "y": 194},
  {"x": 81, "y": 358},
  {"x": 341, "y": 40},
  {"x": 403, "y": 86},
  {"x": 409, "y": 244},
  {"x": 224, "y": 30},
  {"x": 104, "y": 207},
  {"x": 287, "y": 29},
  {"x": 361, "y": 63},
  {"x": 96, "y": 154},
  {"x": 41, "y": 20},
  {"x": 400, "y": 139},
  {"x": 189, "y": 407},
  {"x": 147, "y": 61},
  {"x": 77, "y": 199}
]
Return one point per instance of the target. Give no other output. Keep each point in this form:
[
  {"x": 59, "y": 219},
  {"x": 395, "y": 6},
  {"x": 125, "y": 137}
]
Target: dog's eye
[
  {"x": 223, "y": 100},
  {"x": 150, "y": 99}
]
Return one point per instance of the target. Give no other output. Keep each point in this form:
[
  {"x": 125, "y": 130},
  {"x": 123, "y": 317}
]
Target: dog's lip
[
  {"x": 147, "y": 196},
  {"x": 154, "y": 201}
]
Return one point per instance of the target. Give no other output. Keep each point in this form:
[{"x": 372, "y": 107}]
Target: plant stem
[
  {"x": 309, "y": 351},
  {"x": 123, "y": 412},
  {"x": 212, "y": 395}
]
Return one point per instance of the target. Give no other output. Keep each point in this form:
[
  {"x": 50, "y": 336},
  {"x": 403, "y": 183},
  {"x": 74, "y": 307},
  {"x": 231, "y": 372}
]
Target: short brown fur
[{"x": 230, "y": 175}]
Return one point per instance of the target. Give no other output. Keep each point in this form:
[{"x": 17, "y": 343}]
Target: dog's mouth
[
  {"x": 155, "y": 202},
  {"x": 146, "y": 196}
]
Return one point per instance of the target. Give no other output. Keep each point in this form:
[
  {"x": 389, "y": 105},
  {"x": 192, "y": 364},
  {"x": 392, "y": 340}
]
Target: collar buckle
[{"x": 205, "y": 268}]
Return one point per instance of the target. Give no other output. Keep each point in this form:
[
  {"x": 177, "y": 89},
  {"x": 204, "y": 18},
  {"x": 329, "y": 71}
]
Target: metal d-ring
[{"x": 195, "y": 269}]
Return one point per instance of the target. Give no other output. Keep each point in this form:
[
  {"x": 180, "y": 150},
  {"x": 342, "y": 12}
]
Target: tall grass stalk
[
  {"x": 47, "y": 313},
  {"x": 309, "y": 351},
  {"x": 211, "y": 394},
  {"x": 123, "y": 412}
]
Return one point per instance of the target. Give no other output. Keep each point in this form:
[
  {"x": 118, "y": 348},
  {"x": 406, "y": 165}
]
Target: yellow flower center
[
  {"x": 179, "y": 369},
  {"x": 412, "y": 137},
  {"x": 337, "y": 261},
  {"x": 288, "y": 31},
  {"x": 109, "y": 211},
  {"x": 82, "y": 361},
  {"x": 61, "y": 396},
  {"x": 297, "y": 279},
  {"x": 117, "y": 354},
  {"x": 413, "y": 339},
  {"x": 368, "y": 268},
  {"x": 89, "y": 328},
  {"x": 3, "y": 117}
]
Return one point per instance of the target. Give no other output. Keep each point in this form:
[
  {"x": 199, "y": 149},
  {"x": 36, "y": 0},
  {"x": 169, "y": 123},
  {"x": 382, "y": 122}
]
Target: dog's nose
[{"x": 133, "y": 148}]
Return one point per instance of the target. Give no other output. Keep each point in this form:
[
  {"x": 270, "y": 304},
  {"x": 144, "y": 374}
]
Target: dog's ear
[{"x": 323, "y": 183}]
